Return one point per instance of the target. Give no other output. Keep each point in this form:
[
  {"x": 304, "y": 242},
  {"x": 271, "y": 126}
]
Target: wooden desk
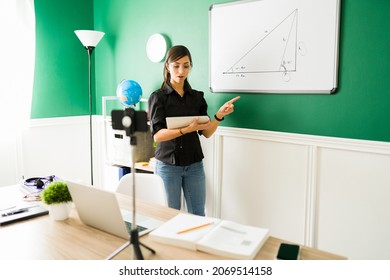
[
  {"x": 44, "y": 239},
  {"x": 144, "y": 167}
]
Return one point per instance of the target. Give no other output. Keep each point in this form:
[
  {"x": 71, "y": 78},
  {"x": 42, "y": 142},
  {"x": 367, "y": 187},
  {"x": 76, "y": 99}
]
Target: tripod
[{"x": 134, "y": 234}]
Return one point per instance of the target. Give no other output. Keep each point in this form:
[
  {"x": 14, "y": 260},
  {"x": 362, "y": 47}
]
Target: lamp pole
[
  {"x": 90, "y": 49},
  {"x": 89, "y": 39}
]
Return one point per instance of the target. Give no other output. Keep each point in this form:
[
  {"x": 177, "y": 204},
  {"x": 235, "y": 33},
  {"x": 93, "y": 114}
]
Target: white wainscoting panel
[
  {"x": 264, "y": 184},
  {"x": 59, "y": 146},
  {"x": 353, "y": 203},
  {"x": 325, "y": 192}
]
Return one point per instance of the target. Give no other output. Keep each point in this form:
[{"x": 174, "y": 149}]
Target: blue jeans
[{"x": 191, "y": 179}]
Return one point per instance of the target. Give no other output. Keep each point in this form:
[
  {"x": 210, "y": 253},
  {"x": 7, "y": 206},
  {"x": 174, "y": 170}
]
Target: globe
[{"x": 129, "y": 92}]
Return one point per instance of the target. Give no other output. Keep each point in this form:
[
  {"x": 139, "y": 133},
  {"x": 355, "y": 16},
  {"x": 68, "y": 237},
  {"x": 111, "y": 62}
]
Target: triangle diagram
[{"x": 274, "y": 52}]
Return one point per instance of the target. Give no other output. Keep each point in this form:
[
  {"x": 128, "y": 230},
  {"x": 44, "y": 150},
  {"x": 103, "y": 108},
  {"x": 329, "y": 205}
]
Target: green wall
[
  {"x": 358, "y": 110},
  {"x": 61, "y": 62}
]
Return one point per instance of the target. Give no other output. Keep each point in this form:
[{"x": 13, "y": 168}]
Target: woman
[{"x": 179, "y": 153}]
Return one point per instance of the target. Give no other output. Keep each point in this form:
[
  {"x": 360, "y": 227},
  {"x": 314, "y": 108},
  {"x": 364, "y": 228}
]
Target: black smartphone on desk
[{"x": 288, "y": 252}]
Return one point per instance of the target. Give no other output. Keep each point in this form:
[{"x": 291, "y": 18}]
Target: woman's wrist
[
  {"x": 218, "y": 119},
  {"x": 181, "y": 132}
]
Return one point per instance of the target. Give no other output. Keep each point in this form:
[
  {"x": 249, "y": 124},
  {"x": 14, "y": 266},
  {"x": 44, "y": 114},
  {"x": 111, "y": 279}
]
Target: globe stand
[{"x": 131, "y": 123}]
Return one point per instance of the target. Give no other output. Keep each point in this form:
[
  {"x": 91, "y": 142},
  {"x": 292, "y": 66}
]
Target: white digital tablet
[{"x": 179, "y": 122}]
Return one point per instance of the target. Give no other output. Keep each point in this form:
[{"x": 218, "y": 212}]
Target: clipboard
[{"x": 179, "y": 122}]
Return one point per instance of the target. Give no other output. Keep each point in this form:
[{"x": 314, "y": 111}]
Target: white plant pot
[{"x": 60, "y": 211}]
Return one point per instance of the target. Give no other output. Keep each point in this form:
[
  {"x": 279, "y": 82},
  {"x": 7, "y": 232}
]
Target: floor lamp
[{"x": 90, "y": 39}]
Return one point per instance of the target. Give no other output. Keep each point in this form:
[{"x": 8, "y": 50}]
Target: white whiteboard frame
[{"x": 274, "y": 46}]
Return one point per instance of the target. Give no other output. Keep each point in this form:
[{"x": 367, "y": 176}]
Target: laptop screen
[{"x": 99, "y": 208}]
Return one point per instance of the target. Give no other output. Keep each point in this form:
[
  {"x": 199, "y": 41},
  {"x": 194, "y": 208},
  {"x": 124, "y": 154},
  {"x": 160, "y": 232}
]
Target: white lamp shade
[{"x": 89, "y": 38}]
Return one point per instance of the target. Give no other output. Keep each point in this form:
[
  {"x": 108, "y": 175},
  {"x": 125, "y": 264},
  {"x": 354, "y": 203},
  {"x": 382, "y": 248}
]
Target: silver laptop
[{"x": 100, "y": 209}]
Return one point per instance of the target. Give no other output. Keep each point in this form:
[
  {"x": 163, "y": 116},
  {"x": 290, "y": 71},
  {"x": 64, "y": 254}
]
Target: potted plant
[{"x": 57, "y": 196}]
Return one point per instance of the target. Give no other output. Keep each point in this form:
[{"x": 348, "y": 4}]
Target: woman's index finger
[{"x": 233, "y": 99}]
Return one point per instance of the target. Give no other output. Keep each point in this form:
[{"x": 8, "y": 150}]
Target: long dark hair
[{"x": 174, "y": 54}]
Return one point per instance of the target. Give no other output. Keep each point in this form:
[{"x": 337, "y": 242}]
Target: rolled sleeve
[{"x": 157, "y": 115}]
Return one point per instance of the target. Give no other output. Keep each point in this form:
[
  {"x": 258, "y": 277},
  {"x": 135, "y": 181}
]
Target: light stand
[
  {"x": 134, "y": 236},
  {"x": 131, "y": 121},
  {"x": 89, "y": 39}
]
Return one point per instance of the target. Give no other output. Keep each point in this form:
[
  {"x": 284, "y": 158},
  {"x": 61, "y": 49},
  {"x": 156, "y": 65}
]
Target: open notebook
[{"x": 211, "y": 235}]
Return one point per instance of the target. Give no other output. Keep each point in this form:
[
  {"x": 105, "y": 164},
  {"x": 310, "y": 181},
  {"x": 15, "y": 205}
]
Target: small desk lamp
[{"x": 90, "y": 39}]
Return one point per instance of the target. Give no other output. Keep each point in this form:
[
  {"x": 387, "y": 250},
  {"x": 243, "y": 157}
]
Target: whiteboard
[{"x": 274, "y": 46}]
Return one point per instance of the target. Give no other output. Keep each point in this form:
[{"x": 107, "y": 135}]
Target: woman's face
[{"x": 179, "y": 70}]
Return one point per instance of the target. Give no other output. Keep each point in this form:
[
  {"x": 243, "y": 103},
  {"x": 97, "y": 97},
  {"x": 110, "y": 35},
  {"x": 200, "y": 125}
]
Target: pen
[
  {"x": 193, "y": 228},
  {"x": 17, "y": 211}
]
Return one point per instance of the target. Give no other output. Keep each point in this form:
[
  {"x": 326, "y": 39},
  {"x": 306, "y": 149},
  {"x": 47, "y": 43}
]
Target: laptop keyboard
[{"x": 128, "y": 227}]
